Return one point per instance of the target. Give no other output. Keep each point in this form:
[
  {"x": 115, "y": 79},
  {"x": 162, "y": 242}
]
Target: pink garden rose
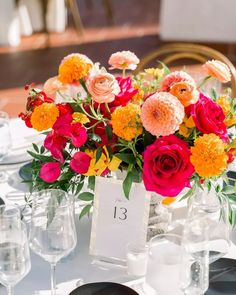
[
  {"x": 218, "y": 70},
  {"x": 80, "y": 162},
  {"x": 167, "y": 166},
  {"x": 123, "y": 60},
  {"x": 50, "y": 172},
  {"x": 209, "y": 117}
]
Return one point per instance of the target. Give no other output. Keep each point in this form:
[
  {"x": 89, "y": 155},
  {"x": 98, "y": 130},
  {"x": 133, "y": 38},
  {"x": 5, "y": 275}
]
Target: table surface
[{"x": 79, "y": 264}]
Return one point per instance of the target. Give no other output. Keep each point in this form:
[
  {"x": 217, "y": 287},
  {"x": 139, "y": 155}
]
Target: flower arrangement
[{"x": 157, "y": 125}]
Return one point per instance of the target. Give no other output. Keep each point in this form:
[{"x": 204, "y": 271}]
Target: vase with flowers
[{"x": 156, "y": 127}]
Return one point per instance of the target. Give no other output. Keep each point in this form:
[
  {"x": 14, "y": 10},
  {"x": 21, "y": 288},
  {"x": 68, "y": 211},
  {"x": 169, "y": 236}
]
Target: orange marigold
[
  {"x": 44, "y": 116},
  {"x": 74, "y": 67},
  {"x": 208, "y": 155},
  {"x": 126, "y": 122}
]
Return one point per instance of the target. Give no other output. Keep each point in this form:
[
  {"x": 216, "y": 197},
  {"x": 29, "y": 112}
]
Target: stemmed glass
[
  {"x": 5, "y": 142},
  {"x": 14, "y": 253},
  {"x": 52, "y": 231}
]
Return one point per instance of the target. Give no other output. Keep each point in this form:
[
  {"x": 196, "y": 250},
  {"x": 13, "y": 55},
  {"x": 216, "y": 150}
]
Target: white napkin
[{"x": 62, "y": 289}]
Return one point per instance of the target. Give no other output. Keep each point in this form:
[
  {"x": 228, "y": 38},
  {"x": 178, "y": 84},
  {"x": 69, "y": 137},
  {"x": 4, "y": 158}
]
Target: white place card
[{"x": 116, "y": 220}]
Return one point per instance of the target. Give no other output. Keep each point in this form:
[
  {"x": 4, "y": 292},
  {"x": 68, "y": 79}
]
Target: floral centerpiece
[{"x": 157, "y": 126}]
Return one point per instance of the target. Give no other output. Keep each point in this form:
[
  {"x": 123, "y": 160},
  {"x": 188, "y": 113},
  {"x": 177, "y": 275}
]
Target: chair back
[{"x": 170, "y": 53}]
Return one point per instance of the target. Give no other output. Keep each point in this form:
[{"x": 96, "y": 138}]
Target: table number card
[{"x": 116, "y": 220}]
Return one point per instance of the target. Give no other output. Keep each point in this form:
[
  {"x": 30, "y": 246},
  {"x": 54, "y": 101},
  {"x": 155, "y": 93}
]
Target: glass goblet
[
  {"x": 52, "y": 230},
  {"x": 5, "y": 142},
  {"x": 14, "y": 254}
]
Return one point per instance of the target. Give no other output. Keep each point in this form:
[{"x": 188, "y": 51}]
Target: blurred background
[{"x": 36, "y": 34}]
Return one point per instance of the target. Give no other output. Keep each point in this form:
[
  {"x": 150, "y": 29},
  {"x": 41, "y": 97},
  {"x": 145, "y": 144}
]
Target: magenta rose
[
  {"x": 167, "y": 167},
  {"x": 209, "y": 117},
  {"x": 50, "y": 172}
]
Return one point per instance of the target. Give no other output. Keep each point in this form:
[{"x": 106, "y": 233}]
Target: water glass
[
  {"x": 194, "y": 272},
  {"x": 14, "y": 254},
  {"x": 5, "y": 142},
  {"x": 207, "y": 204},
  {"x": 11, "y": 214},
  {"x": 52, "y": 230},
  {"x": 164, "y": 261}
]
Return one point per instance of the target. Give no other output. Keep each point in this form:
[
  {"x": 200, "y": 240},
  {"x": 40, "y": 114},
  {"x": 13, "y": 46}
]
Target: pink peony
[
  {"x": 167, "y": 168},
  {"x": 162, "y": 113},
  {"x": 55, "y": 144},
  {"x": 50, "y": 172},
  {"x": 123, "y": 60},
  {"x": 209, "y": 117},
  {"x": 103, "y": 87},
  {"x": 176, "y": 77},
  {"x": 218, "y": 70},
  {"x": 80, "y": 162}
]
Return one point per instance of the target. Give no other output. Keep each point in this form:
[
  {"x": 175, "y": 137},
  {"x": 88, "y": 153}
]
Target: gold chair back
[{"x": 176, "y": 51}]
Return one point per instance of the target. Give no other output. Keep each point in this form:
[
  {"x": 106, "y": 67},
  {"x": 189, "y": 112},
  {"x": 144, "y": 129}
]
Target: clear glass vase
[{"x": 215, "y": 208}]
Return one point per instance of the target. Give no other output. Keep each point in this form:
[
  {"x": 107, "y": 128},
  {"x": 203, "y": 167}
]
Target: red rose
[
  {"x": 167, "y": 167},
  {"x": 209, "y": 117}
]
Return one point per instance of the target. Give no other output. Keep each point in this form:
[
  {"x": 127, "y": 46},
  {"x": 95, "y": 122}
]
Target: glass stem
[
  {"x": 53, "y": 278},
  {"x": 10, "y": 290}
]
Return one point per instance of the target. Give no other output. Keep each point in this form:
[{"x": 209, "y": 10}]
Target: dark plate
[
  {"x": 103, "y": 288},
  {"x": 25, "y": 173},
  {"x": 222, "y": 277}
]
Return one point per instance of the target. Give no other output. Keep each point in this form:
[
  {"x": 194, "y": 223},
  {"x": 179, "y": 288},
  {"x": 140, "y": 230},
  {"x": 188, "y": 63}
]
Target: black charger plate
[
  {"x": 222, "y": 277},
  {"x": 103, "y": 288}
]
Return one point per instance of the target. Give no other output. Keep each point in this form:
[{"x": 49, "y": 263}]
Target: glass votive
[{"x": 137, "y": 255}]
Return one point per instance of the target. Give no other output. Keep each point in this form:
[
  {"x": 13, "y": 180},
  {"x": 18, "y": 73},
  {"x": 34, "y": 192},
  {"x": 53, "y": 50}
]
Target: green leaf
[
  {"x": 98, "y": 154},
  {"x": 228, "y": 190},
  {"x": 94, "y": 137},
  {"x": 85, "y": 210},
  {"x": 189, "y": 193},
  {"x": 127, "y": 184},
  {"x": 127, "y": 158},
  {"x": 109, "y": 132},
  {"x": 166, "y": 69},
  {"x": 86, "y": 196},
  {"x": 42, "y": 149},
  {"x": 213, "y": 94},
  {"x": 40, "y": 157},
  {"x": 110, "y": 152},
  {"x": 91, "y": 182},
  {"x": 79, "y": 188},
  {"x": 35, "y": 147}
]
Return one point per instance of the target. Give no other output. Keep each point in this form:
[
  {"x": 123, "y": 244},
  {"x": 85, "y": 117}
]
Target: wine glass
[
  {"x": 52, "y": 230},
  {"x": 5, "y": 143},
  {"x": 11, "y": 214},
  {"x": 14, "y": 253}
]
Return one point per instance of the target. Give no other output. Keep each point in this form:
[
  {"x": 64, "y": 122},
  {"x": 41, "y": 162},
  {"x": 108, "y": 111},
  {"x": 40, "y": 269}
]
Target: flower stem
[
  {"x": 123, "y": 73},
  {"x": 204, "y": 82}
]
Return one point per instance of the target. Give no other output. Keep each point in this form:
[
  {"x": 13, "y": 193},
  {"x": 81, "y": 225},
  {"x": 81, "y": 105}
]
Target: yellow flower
[
  {"x": 138, "y": 97},
  {"x": 155, "y": 72},
  {"x": 231, "y": 120},
  {"x": 44, "y": 116},
  {"x": 80, "y": 118},
  {"x": 97, "y": 168},
  {"x": 208, "y": 155},
  {"x": 168, "y": 201},
  {"x": 184, "y": 128},
  {"x": 73, "y": 68},
  {"x": 126, "y": 122},
  {"x": 224, "y": 103}
]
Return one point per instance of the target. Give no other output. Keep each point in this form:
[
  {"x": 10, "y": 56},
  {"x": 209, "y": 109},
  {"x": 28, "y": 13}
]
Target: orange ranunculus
[
  {"x": 218, "y": 70},
  {"x": 185, "y": 92}
]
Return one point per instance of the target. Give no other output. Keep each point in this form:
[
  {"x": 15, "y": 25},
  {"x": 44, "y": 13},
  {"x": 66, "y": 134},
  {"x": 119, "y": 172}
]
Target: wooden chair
[{"x": 170, "y": 53}]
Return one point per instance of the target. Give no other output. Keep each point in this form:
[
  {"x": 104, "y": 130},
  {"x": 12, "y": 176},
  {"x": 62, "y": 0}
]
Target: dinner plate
[
  {"x": 22, "y": 139},
  {"x": 222, "y": 277},
  {"x": 103, "y": 288}
]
